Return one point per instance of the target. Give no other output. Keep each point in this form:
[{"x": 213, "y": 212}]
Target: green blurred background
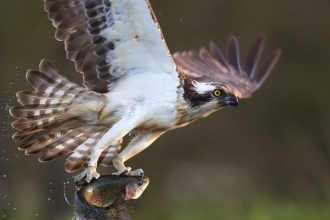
[{"x": 268, "y": 159}]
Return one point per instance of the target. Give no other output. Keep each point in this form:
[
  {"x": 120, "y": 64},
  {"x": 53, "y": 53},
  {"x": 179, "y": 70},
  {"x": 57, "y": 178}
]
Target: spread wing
[
  {"x": 108, "y": 38},
  {"x": 213, "y": 67}
]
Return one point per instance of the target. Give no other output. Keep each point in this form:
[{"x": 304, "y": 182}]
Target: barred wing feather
[{"x": 107, "y": 38}]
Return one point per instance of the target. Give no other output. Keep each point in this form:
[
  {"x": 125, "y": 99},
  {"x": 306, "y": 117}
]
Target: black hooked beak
[{"x": 231, "y": 100}]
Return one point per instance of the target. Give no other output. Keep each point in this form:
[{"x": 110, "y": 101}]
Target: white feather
[
  {"x": 54, "y": 101},
  {"x": 203, "y": 88},
  {"x": 59, "y": 92},
  {"x": 140, "y": 44},
  {"x": 42, "y": 101},
  {"x": 76, "y": 155},
  {"x": 60, "y": 147},
  {"x": 49, "y": 90}
]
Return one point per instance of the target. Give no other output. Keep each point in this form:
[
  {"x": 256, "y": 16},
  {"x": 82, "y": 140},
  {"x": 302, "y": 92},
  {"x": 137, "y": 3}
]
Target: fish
[{"x": 104, "y": 198}]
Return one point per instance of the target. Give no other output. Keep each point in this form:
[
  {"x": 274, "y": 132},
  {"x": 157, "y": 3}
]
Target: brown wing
[
  {"x": 213, "y": 67},
  {"x": 107, "y": 38}
]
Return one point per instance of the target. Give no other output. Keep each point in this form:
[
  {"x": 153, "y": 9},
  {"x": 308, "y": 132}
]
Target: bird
[{"x": 132, "y": 85}]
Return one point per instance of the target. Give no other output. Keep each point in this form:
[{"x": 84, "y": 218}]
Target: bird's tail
[{"x": 50, "y": 123}]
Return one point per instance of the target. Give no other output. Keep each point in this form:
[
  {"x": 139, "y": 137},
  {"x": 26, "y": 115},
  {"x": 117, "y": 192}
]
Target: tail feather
[
  {"x": 57, "y": 125},
  {"x": 36, "y": 137},
  {"x": 47, "y": 122},
  {"x": 42, "y": 143},
  {"x": 82, "y": 153},
  {"x": 49, "y": 81},
  {"x": 36, "y": 98},
  {"x": 21, "y": 135},
  {"x": 24, "y": 123},
  {"x": 84, "y": 95},
  {"x": 58, "y": 88},
  {"x": 64, "y": 145},
  {"x": 54, "y": 96},
  {"x": 31, "y": 112},
  {"x": 109, "y": 153},
  {"x": 48, "y": 141}
]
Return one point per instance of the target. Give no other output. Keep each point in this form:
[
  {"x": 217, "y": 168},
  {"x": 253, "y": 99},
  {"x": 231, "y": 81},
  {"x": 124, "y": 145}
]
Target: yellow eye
[{"x": 216, "y": 93}]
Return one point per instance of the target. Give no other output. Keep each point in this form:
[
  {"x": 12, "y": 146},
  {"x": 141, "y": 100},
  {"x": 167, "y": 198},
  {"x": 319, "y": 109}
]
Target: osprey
[{"x": 132, "y": 85}]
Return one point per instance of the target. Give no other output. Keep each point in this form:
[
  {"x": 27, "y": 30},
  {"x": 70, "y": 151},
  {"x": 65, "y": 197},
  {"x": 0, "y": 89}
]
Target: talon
[
  {"x": 127, "y": 172},
  {"x": 122, "y": 172},
  {"x": 138, "y": 172},
  {"x": 96, "y": 175},
  {"x": 86, "y": 176}
]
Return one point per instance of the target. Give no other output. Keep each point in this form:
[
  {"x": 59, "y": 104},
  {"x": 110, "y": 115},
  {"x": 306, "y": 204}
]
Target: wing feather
[
  {"x": 233, "y": 53},
  {"x": 213, "y": 67},
  {"x": 266, "y": 67},
  {"x": 218, "y": 56},
  {"x": 253, "y": 55},
  {"x": 108, "y": 38}
]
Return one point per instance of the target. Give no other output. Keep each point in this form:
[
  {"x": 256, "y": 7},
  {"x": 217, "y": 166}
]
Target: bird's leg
[
  {"x": 138, "y": 144},
  {"x": 127, "y": 123}
]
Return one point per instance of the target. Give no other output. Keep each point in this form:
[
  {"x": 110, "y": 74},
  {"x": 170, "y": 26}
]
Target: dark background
[{"x": 268, "y": 159}]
